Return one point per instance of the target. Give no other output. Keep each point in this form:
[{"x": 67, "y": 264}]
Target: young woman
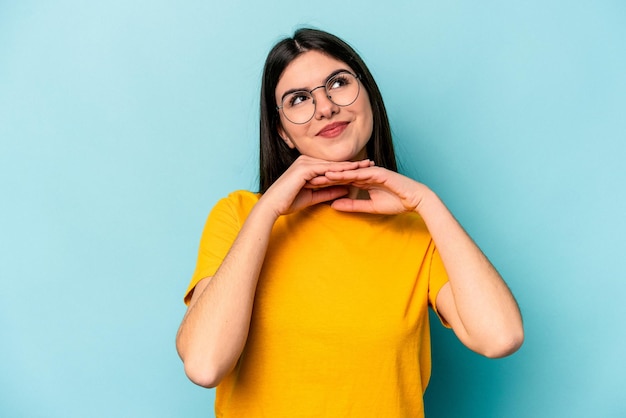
[{"x": 311, "y": 298}]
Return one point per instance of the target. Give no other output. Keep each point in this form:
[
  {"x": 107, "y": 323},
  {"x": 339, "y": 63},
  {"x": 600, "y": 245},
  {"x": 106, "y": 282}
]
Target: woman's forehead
[{"x": 310, "y": 69}]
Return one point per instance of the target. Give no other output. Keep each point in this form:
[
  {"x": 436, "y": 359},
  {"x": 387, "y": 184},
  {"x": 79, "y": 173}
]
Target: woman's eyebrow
[{"x": 331, "y": 75}]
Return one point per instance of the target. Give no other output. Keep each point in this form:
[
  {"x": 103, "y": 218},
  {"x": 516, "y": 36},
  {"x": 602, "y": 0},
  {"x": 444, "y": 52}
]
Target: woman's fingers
[
  {"x": 321, "y": 181},
  {"x": 354, "y": 205},
  {"x": 364, "y": 175},
  {"x": 340, "y": 173},
  {"x": 294, "y": 191},
  {"x": 304, "y": 183}
]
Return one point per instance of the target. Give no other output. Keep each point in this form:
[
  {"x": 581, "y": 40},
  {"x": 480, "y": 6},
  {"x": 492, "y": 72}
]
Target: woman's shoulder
[
  {"x": 243, "y": 196},
  {"x": 233, "y": 208},
  {"x": 240, "y": 200}
]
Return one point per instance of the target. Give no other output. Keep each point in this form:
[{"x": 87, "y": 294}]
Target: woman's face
[{"x": 335, "y": 133}]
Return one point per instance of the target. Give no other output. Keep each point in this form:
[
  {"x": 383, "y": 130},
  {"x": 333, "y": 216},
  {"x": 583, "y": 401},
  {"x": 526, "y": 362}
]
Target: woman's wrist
[
  {"x": 428, "y": 201},
  {"x": 263, "y": 211}
]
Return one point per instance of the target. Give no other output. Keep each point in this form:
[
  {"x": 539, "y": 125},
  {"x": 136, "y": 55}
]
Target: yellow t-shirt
[{"x": 340, "y": 320}]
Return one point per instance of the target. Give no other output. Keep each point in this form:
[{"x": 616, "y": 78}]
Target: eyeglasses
[{"x": 299, "y": 106}]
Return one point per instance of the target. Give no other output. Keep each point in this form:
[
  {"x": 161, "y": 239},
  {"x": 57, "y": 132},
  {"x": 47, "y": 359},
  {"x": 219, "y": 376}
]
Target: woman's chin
[{"x": 345, "y": 156}]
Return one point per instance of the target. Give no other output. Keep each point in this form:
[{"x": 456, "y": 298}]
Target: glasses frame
[{"x": 325, "y": 87}]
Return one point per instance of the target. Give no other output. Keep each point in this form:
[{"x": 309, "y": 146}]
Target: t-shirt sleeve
[
  {"x": 220, "y": 230},
  {"x": 437, "y": 278}
]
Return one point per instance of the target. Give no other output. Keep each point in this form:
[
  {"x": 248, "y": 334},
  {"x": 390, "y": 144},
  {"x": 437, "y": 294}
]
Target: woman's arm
[
  {"x": 215, "y": 328},
  {"x": 476, "y": 302}
]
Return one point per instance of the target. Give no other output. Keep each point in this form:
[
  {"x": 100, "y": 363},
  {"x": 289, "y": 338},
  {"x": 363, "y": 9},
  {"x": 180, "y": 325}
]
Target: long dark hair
[{"x": 276, "y": 156}]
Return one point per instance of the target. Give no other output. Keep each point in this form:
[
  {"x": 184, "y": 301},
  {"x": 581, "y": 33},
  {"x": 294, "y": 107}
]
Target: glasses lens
[
  {"x": 299, "y": 107},
  {"x": 343, "y": 89}
]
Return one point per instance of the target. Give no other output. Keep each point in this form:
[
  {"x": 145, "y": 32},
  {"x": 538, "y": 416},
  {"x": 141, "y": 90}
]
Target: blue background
[{"x": 122, "y": 123}]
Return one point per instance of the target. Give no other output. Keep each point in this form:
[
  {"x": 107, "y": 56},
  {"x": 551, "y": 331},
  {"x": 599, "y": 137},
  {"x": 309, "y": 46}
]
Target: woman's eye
[
  {"x": 297, "y": 99},
  {"x": 338, "y": 82}
]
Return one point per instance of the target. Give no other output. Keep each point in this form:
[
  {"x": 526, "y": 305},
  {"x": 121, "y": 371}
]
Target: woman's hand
[
  {"x": 293, "y": 190},
  {"x": 389, "y": 192},
  {"x": 475, "y": 302},
  {"x": 215, "y": 328}
]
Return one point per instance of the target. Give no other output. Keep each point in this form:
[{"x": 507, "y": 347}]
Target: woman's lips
[{"x": 333, "y": 129}]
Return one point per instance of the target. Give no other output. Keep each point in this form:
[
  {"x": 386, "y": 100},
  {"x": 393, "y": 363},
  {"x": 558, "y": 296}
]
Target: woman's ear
[{"x": 285, "y": 137}]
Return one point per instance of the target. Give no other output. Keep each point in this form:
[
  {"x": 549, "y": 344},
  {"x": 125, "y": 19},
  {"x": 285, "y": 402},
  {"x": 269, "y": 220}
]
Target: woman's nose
[{"x": 324, "y": 107}]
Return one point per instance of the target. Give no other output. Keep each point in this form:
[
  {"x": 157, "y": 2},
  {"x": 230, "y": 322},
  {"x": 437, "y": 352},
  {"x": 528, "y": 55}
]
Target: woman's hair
[{"x": 275, "y": 155}]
